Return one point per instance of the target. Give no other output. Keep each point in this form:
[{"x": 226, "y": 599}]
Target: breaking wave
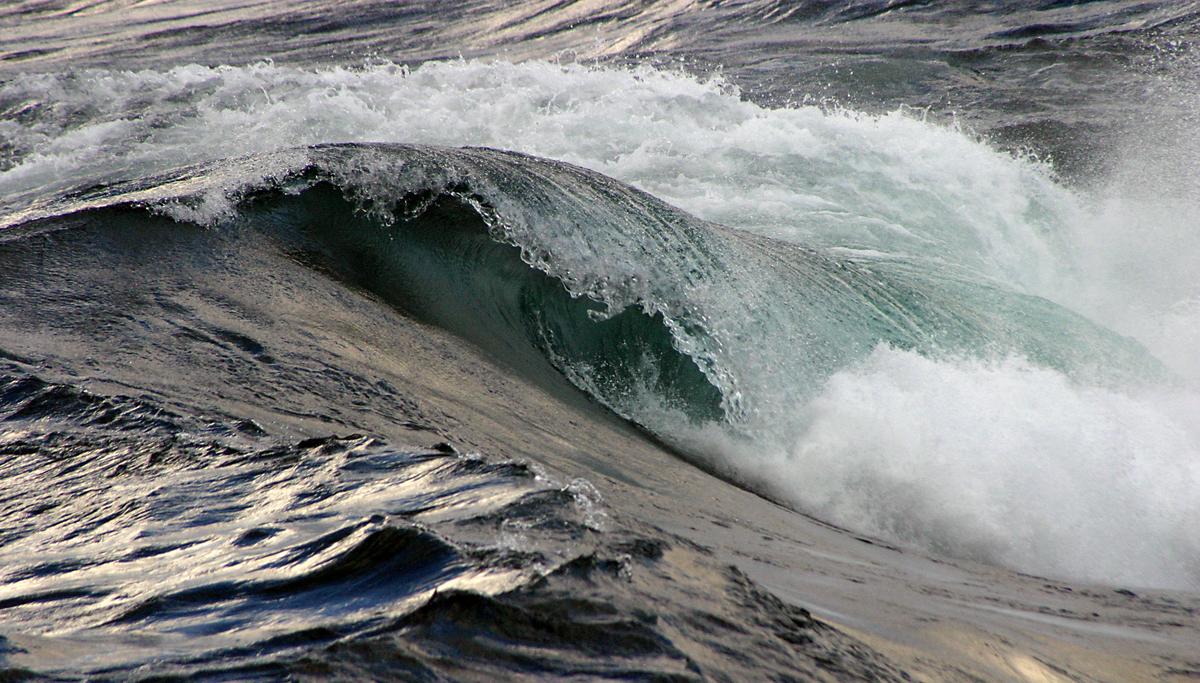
[{"x": 877, "y": 320}]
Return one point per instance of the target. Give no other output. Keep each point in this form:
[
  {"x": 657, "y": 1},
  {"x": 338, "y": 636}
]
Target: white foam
[
  {"x": 1003, "y": 462},
  {"x": 889, "y": 182}
]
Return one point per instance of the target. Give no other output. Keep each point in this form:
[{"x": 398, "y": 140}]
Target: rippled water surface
[{"x": 684, "y": 340}]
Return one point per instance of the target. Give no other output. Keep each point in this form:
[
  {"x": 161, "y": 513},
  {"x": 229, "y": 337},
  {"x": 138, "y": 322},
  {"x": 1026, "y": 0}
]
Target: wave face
[
  {"x": 860, "y": 387},
  {"x": 878, "y": 320}
]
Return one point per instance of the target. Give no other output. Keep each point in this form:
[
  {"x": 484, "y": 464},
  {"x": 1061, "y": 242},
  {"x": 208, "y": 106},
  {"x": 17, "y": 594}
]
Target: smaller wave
[
  {"x": 233, "y": 554},
  {"x": 233, "y": 546},
  {"x": 53, "y": 32}
]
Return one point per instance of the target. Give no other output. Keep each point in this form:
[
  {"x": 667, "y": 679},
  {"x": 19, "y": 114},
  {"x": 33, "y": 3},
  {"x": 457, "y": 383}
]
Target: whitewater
[{"x": 1078, "y": 462}]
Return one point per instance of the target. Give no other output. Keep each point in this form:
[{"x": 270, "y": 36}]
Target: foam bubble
[{"x": 999, "y": 461}]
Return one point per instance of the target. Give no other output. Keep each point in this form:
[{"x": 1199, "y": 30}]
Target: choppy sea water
[{"x": 628, "y": 340}]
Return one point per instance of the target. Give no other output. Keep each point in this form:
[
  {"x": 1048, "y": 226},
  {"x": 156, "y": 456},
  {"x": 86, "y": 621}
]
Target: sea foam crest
[{"x": 890, "y": 183}]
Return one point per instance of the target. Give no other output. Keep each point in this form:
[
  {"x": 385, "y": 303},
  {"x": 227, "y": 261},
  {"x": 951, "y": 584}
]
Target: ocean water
[{"x": 373, "y": 340}]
